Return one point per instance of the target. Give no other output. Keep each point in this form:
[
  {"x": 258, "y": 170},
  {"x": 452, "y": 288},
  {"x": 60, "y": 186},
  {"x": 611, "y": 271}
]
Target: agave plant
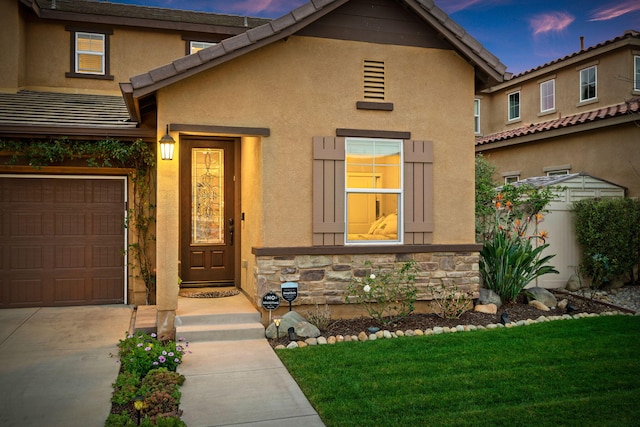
[{"x": 508, "y": 264}]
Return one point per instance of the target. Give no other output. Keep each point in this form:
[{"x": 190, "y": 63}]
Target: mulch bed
[{"x": 519, "y": 310}]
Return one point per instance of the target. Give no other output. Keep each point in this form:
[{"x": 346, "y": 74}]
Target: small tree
[{"x": 485, "y": 193}]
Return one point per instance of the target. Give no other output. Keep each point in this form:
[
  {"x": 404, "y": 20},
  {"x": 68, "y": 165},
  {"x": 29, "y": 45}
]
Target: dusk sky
[{"x": 523, "y": 34}]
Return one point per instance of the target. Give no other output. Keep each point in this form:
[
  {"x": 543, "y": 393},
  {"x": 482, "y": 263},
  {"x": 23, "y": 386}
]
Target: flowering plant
[
  {"x": 139, "y": 353},
  {"x": 512, "y": 253},
  {"x": 387, "y": 295}
]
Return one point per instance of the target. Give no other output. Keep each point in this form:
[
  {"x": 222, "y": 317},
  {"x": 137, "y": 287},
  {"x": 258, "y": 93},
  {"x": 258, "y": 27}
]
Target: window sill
[
  {"x": 89, "y": 76},
  {"x": 376, "y": 106},
  {"x": 514, "y": 121},
  {"x": 587, "y": 102},
  {"x": 546, "y": 113}
]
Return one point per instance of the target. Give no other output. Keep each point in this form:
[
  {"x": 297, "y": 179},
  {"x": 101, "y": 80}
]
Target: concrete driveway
[{"x": 57, "y": 364}]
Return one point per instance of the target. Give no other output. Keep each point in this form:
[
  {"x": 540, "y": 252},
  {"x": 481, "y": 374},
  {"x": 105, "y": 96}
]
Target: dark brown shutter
[
  {"x": 328, "y": 191},
  {"x": 418, "y": 192}
]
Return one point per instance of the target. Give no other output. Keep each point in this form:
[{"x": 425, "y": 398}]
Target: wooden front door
[{"x": 207, "y": 211}]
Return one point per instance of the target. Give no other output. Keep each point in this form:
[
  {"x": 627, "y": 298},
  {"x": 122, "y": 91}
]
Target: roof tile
[
  {"x": 161, "y": 73},
  {"x": 439, "y": 14},
  {"x": 259, "y": 33},
  {"x": 236, "y": 42},
  {"x": 472, "y": 43},
  {"x": 212, "y": 52},
  {"x": 321, "y": 3},
  {"x": 186, "y": 62},
  {"x": 141, "y": 80},
  {"x": 455, "y": 28},
  {"x": 631, "y": 106},
  {"x": 283, "y": 22},
  {"x": 303, "y": 11}
]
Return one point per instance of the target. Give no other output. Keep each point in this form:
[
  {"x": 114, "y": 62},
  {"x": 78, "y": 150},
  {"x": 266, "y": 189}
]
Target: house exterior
[
  {"x": 580, "y": 113},
  {"x": 306, "y": 146}
]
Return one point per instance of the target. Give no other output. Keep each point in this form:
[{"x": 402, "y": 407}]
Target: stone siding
[{"x": 324, "y": 279}]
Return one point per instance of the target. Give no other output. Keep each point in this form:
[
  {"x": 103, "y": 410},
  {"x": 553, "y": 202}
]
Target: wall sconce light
[{"x": 167, "y": 144}]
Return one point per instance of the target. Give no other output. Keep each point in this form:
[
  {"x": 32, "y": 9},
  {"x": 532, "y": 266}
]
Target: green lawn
[{"x": 583, "y": 372}]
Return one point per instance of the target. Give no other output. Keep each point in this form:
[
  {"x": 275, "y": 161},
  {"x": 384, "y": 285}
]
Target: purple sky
[{"x": 522, "y": 33}]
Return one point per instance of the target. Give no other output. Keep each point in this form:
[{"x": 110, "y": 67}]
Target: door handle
[{"x": 231, "y": 229}]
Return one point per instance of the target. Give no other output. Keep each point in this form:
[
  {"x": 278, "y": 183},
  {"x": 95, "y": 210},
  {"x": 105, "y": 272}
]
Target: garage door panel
[{"x": 61, "y": 241}]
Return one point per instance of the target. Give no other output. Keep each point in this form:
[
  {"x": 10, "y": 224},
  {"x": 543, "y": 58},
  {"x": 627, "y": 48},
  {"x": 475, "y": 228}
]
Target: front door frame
[{"x": 187, "y": 142}]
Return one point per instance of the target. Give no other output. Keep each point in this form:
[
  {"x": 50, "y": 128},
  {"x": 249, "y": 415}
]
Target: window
[
  {"x": 636, "y": 74},
  {"x": 558, "y": 172},
  {"x": 373, "y": 189},
  {"x": 547, "y": 96},
  {"x": 514, "y": 105},
  {"x": 588, "y": 84},
  {"x": 195, "y": 46},
  {"x": 89, "y": 54},
  {"x": 363, "y": 188},
  {"x": 476, "y": 115},
  {"x": 511, "y": 178}
]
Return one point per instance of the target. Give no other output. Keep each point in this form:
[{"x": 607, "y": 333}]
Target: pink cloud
[
  {"x": 453, "y": 6},
  {"x": 266, "y": 6},
  {"x": 604, "y": 14},
  {"x": 548, "y": 22}
]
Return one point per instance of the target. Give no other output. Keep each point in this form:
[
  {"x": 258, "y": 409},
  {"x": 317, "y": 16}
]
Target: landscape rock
[
  {"x": 321, "y": 340},
  {"x": 290, "y": 319},
  {"x": 306, "y": 329},
  {"x": 542, "y": 295},
  {"x": 573, "y": 284},
  {"x": 563, "y": 304},
  {"x": 539, "y": 305},
  {"x": 487, "y": 296},
  {"x": 486, "y": 308},
  {"x": 362, "y": 336}
]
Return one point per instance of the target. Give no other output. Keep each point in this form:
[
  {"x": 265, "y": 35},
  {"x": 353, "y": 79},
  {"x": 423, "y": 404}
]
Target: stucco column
[{"x": 167, "y": 242}]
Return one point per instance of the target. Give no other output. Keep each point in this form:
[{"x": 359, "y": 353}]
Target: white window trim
[
  {"x": 509, "y": 118},
  {"x": 553, "y": 96},
  {"x": 102, "y": 55},
  {"x": 636, "y": 73},
  {"x": 595, "y": 83},
  {"x": 476, "y": 116},
  {"x": 204, "y": 45},
  {"x": 399, "y": 192}
]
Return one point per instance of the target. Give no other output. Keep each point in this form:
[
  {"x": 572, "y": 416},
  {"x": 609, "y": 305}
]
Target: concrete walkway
[
  {"x": 239, "y": 382},
  {"x": 56, "y": 364}
]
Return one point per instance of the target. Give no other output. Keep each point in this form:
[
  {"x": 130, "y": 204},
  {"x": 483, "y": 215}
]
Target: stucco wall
[
  {"x": 610, "y": 154},
  {"x": 303, "y": 87}
]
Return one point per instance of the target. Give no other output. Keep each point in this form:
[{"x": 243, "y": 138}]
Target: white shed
[{"x": 559, "y": 221}]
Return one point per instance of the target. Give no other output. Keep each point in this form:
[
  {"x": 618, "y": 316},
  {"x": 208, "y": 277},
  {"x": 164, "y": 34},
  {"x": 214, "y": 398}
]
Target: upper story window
[
  {"x": 508, "y": 179},
  {"x": 636, "y": 74},
  {"x": 195, "y": 46},
  {"x": 89, "y": 54},
  {"x": 373, "y": 194},
  {"x": 476, "y": 115},
  {"x": 514, "y": 105},
  {"x": 547, "y": 96},
  {"x": 588, "y": 78}
]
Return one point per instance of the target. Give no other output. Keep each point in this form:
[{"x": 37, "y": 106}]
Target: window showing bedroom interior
[
  {"x": 90, "y": 53},
  {"x": 373, "y": 190},
  {"x": 547, "y": 96},
  {"x": 514, "y": 105},
  {"x": 588, "y": 84}
]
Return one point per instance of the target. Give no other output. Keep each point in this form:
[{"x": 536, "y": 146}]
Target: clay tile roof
[
  {"x": 629, "y": 34},
  {"x": 631, "y": 106},
  {"x": 27, "y": 108},
  {"x": 117, "y": 10}
]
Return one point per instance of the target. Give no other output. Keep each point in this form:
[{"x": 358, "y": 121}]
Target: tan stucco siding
[
  {"x": 611, "y": 154},
  {"x": 11, "y": 37},
  {"x": 306, "y": 87},
  {"x": 131, "y": 52}
]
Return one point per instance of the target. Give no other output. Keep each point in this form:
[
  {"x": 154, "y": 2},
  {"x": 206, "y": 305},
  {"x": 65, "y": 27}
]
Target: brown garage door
[{"x": 61, "y": 241}]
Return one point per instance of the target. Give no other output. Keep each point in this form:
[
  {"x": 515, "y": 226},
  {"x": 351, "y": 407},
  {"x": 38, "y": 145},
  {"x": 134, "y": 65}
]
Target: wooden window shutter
[
  {"x": 328, "y": 191},
  {"x": 418, "y": 192}
]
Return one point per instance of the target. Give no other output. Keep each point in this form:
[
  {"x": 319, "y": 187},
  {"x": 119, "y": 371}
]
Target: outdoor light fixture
[
  {"x": 167, "y": 144},
  {"x": 276, "y": 321},
  {"x": 292, "y": 334},
  {"x": 138, "y": 404}
]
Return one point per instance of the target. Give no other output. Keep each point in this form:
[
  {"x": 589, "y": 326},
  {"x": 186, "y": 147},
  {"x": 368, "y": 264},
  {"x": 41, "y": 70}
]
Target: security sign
[{"x": 270, "y": 301}]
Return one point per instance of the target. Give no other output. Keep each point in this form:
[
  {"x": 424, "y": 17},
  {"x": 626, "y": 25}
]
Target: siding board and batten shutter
[{"x": 329, "y": 191}]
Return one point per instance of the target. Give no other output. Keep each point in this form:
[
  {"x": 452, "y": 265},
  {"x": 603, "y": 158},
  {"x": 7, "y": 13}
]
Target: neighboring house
[
  {"x": 580, "y": 113},
  {"x": 308, "y": 145}
]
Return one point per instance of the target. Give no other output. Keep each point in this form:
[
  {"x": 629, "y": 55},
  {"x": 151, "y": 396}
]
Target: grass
[{"x": 582, "y": 372}]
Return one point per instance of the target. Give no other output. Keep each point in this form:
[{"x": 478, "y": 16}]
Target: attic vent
[{"x": 373, "y": 80}]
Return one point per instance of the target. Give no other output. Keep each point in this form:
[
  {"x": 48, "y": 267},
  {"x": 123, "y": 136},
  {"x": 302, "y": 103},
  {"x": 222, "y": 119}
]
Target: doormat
[{"x": 210, "y": 294}]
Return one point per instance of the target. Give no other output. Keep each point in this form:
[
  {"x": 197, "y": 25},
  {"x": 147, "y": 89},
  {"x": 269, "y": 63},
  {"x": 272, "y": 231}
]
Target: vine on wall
[{"x": 135, "y": 156}]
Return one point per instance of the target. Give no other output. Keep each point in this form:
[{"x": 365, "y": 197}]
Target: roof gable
[{"x": 300, "y": 21}]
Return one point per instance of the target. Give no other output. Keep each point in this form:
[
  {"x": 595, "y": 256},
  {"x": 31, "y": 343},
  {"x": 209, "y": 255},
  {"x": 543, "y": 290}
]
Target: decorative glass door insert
[{"x": 207, "y": 192}]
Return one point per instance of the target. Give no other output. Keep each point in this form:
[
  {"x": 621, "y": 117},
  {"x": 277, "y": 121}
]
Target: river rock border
[{"x": 386, "y": 334}]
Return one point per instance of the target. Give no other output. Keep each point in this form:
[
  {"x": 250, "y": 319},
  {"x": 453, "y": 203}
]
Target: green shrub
[
  {"x": 125, "y": 388},
  {"x": 387, "y": 295},
  {"x": 120, "y": 420},
  {"x": 608, "y": 230},
  {"x": 162, "y": 380},
  {"x": 139, "y": 353}
]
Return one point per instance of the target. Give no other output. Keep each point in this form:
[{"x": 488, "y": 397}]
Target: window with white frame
[
  {"x": 636, "y": 74},
  {"x": 514, "y": 105},
  {"x": 90, "y": 53},
  {"x": 476, "y": 115},
  {"x": 373, "y": 193},
  {"x": 558, "y": 172},
  {"x": 547, "y": 95},
  {"x": 196, "y": 46},
  {"x": 588, "y": 81},
  {"x": 508, "y": 179}
]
